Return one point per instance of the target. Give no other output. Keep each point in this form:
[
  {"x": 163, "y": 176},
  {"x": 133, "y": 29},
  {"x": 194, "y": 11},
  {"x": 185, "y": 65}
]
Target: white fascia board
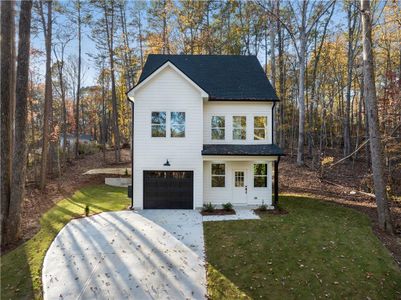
[
  {"x": 239, "y": 158},
  {"x": 131, "y": 93}
]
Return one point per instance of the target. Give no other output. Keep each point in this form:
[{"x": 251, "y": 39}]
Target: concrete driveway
[{"x": 153, "y": 254}]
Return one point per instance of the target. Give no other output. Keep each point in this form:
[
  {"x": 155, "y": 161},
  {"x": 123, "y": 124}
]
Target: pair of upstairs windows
[
  {"x": 219, "y": 130},
  {"x": 239, "y": 127},
  {"x": 177, "y": 124}
]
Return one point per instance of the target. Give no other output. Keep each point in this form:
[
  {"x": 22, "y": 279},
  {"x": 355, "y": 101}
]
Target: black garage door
[{"x": 168, "y": 189}]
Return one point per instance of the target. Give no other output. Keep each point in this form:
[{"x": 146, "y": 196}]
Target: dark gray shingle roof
[
  {"x": 250, "y": 150},
  {"x": 223, "y": 77}
]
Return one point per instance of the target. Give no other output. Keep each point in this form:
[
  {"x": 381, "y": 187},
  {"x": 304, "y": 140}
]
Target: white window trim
[
  {"x": 267, "y": 172},
  {"x": 265, "y": 128},
  {"x": 154, "y": 124},
  {"x": 172, "y": 124},
  {"x": 239, "y": 128},
  {"x": 211, "y": 128},
  {"x": 214, "y": 175}
]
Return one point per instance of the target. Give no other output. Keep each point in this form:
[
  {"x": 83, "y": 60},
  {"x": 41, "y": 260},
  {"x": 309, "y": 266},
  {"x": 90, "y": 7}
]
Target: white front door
[{"x": 240, "y": 188}]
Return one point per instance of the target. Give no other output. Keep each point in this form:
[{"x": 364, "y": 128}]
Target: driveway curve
[{"x": 155, "y": 254}]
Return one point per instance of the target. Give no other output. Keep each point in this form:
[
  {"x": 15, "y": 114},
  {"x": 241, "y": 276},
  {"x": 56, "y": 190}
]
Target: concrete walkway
[
  {"x": 241, "y": 213},
  {"x": 154, "y": 254}
]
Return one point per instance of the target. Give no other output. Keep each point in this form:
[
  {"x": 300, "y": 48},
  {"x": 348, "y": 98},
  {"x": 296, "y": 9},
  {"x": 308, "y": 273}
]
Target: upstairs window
[
  {"x": 177, "y": 124},
  {"x": 158, "y": 124},
  {"x": 218, "y": 175},
  {"x": 239, "y": 128},
  {"x": 260, "y": 128},
  {"x": 260, "y": 175},
  {"x": 218, "y": 128}
]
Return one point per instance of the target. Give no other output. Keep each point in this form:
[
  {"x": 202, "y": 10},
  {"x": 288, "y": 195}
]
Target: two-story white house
[{"x": 203, "y": 132}]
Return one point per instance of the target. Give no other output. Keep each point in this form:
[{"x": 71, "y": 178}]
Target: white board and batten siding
[{"x": 168, "y": 91}]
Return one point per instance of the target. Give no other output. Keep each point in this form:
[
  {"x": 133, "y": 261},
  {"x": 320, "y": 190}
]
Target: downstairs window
[
  {"x": 218, "y": 175},
  {"x": 260, "y": 175}
]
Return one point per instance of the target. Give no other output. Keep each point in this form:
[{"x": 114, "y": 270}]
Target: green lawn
[
  {"x": 21, "y": 268},
  {"x": 318, "y": 250}
]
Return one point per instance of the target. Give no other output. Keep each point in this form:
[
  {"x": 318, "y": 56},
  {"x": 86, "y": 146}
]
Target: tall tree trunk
[
  {"x": 47, "y": 30},
  {"x": 165, "y": 47},
  {"x": 376, "y": 149},
  {"x": 110, "y": 38},
  {"x": 21, "y": 113},
  {"x": 56, "y": 163},
  {"x": 140, "y": 38},
  {"x": 350, "y": 63},
  {"x": 359, "y": 124},
  {"x": 13, "y": 82},
  {"x": 78, "y": 82},
  {"x": 7, "y": 63},
  {"x": 129, "y": 72},
  {"x": 33, "y": 140},
  {"x": 273, "y": 62},
  {"x": 301, "y": 98},
  {"x": 281, "y": 67},
  {"x": 60, "y": 68},
  {"x": 104, "y": 126}
]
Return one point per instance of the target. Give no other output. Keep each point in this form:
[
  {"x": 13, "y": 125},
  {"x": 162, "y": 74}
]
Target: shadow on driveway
[{"x": 153, "y": 254}]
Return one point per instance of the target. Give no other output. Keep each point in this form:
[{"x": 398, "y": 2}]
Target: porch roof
[{"x": 243, "y": 150}]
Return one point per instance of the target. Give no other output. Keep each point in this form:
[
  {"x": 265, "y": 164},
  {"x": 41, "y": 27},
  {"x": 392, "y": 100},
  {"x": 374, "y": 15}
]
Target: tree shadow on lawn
[
  {"x": 319, "y": 249},
  {"x": 220, "y": 287},
  {"x": 16, "y": 279},
  {"x": 21, "y": 268}
]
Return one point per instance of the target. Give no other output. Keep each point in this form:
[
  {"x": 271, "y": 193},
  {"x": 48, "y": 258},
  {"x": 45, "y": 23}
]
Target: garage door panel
[{"x": 168, "y": 189}]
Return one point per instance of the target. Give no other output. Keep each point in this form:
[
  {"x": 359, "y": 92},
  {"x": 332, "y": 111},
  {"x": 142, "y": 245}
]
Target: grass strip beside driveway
[
  {"x": 21, "y": 268},
  {"x": 317, "y": 250}
]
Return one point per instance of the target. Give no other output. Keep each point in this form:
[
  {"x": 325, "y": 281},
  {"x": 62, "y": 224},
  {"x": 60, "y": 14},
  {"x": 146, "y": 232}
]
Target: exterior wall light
[{"x": 167, "y": 163}]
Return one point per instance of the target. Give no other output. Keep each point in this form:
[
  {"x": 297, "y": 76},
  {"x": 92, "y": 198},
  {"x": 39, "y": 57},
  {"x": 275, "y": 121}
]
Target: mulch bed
[
  {"x": 218, "y": 212},
  {"x": 280, "y": 211}
]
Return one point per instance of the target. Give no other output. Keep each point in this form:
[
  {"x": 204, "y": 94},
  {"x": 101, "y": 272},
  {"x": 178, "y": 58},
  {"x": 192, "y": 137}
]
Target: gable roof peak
[{"x": 223, "y": 77}]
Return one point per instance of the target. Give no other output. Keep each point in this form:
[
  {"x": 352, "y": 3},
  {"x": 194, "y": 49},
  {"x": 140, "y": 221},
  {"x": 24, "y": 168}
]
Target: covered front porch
[{"x": 241, "y": 174}]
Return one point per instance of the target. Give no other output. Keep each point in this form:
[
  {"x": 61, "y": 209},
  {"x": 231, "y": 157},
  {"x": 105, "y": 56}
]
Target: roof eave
[
  {"x": 143, "y": 81},
  {"x": 242, "y": 154},
  {"x": 211, "y": 98}
]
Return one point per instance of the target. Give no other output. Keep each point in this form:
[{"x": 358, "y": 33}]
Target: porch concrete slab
[
  {"x": 242, "y": 213},
  {"x": 156, "y": 254}
]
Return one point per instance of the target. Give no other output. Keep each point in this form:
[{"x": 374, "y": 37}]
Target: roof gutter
[
  {"x": 274, "y": 104},
  {"x": 131, "y": 189}
]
